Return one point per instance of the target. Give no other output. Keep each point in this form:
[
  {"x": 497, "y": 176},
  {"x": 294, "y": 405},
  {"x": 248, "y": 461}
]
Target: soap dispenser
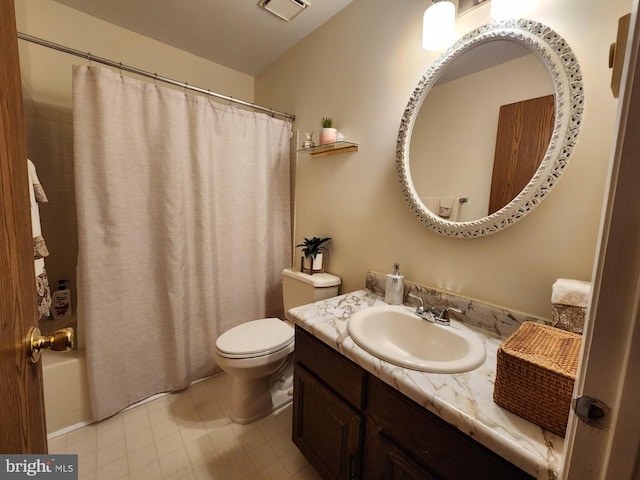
[{"x": 394, "y": 291}]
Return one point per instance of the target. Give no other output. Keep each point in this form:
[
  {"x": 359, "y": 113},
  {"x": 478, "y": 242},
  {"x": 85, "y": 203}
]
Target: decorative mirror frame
[{"x": 566, "y": 77}]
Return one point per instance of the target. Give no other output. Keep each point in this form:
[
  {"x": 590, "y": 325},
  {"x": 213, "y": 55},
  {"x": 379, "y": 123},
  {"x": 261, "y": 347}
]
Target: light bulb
[{"x": 438, "y": 25}]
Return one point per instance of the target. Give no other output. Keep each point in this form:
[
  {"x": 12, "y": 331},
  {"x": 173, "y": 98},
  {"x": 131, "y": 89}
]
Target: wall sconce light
[
  {"x": 438, "y": 25},
  {"x": 439, "y": 21}
]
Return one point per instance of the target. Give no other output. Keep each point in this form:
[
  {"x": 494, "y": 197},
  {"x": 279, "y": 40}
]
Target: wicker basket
[{"x": 536, "y": 370}]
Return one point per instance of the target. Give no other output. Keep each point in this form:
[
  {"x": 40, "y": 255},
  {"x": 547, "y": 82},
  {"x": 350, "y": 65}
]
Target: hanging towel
[
  {"x": 38, "y": 191},
  {"x": 449, "y": 208},
  {"x": 40, "y": 251}
]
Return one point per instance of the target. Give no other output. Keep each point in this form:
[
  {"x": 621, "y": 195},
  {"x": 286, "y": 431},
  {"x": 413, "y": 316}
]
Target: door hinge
[{"x": 592, "y": 411}]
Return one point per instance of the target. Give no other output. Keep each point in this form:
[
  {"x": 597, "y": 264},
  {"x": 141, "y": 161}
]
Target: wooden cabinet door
[
  {"x": 326, "y": 430},
  {"x": 385, "y": 459},
  {"x": 444, "y": 451}
]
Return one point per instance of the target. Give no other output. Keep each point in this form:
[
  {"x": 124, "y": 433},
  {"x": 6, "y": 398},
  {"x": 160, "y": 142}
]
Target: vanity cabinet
[
  {"x": 350, "y": 424},
  {"x": 328, "y": 423},
  {"x": 327, "y": 431}
]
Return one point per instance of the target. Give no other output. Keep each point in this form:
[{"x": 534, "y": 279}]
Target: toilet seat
[{"x": 255, "y": 339}]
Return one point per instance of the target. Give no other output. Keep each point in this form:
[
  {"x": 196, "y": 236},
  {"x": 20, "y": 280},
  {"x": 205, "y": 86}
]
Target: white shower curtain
[{"x": 183, "y": 229}]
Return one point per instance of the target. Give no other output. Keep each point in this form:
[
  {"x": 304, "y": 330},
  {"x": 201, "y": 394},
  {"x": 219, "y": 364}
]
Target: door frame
[{"x": 610, "y": 365}]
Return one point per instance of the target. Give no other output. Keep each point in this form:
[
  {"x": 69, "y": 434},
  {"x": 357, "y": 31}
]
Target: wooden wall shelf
[{"x": 330, "y": 149}]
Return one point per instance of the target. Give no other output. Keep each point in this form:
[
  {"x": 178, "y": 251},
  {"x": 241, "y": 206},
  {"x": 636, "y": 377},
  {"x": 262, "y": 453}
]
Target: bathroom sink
[{"x": 396, "y": 334}]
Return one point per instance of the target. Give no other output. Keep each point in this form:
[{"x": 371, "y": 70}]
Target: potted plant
[
  {"x": 313, "y": 258},
  {"x": 328, "y": 134}
]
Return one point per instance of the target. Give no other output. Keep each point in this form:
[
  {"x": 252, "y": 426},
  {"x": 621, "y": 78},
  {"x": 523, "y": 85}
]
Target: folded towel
[{"x": 566, "y": 291}]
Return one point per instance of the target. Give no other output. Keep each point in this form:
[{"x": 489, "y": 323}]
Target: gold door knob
[{"x": 60, "y": 341}]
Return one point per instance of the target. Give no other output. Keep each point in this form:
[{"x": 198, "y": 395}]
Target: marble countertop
[{"x": 464, "y": 400}]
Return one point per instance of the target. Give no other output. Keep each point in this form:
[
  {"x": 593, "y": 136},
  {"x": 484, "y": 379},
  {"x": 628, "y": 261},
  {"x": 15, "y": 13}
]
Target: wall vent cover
[{"x": 285, "y": 9}]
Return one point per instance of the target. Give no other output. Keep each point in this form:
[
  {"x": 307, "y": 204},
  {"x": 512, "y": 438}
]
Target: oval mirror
[{"x": 490, "y": 128}]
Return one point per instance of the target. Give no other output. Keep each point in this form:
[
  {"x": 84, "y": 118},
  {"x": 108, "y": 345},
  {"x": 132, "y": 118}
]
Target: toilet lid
[{"x": 256, "y": 337}]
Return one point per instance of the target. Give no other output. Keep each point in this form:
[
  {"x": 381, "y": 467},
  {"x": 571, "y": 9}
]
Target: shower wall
[{"x": 49, "y": 130}]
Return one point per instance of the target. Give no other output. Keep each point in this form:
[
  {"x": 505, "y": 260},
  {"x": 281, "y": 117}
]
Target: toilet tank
[{"x": 301, "y": 288}]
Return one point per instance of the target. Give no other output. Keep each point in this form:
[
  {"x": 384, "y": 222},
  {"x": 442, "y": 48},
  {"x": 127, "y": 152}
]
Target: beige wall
[
  {"x": 360, "y": 68},
  {"x": 48, "y": 72}
]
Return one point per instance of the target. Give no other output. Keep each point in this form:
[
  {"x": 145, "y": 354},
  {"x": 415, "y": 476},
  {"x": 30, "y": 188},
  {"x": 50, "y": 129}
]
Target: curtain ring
[
  {"x": 120, "y": 68},
  {"x": 89, "y": 58},
  {"x": 155, "y": 79},
  {"x": 186, "y": 86}
]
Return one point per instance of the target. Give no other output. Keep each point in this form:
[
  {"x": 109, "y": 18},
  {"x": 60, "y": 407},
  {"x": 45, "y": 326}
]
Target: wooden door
[
  {"x": 22, "y": 422},
  {"x": 524, "y": 132}
]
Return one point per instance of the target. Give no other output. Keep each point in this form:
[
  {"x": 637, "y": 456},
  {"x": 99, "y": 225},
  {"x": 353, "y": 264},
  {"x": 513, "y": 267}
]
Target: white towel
[
  {"x": 35, "y": 212},
  {"x": 39, "y": 266},
  {"x": 38, "y": 191},
  {"x": 566, "y": 291},
  {"x": 36, "y": 194},
  {"x": 450, "y": 208}
]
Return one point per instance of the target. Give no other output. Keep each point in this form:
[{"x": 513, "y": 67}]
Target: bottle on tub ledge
[
  {"x": 61, "y": 301},
  {"x": 394, "y": 291}
]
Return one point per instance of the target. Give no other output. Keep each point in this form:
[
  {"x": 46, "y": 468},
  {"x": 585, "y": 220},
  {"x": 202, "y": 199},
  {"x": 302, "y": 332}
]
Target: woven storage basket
[{"x": 536, "y": 370}]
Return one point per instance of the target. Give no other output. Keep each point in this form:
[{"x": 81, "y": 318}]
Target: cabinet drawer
[
  {"x": 446, "y": 451},
  {"x": 344, "y": 378}
]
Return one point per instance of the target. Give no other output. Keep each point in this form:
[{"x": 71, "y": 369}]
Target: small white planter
[
  {"x": 313, "y": 265},
  {"x": 328, "y": 135}
]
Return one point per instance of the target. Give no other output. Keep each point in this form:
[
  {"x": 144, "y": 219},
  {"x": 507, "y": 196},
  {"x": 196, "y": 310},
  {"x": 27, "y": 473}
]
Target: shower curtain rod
[{"x": 154, "y": 76}]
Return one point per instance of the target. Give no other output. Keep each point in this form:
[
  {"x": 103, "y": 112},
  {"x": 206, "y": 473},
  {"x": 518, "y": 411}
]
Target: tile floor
[{"x": 186, "y": 435}]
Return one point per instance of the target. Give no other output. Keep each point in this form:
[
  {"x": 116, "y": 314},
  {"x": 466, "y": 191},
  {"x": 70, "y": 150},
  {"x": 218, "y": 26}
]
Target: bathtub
[{"x": 66, "y": 391}]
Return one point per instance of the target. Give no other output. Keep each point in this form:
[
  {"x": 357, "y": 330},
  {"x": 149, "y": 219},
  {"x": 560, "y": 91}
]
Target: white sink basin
[{"x": 396, "y": 334}]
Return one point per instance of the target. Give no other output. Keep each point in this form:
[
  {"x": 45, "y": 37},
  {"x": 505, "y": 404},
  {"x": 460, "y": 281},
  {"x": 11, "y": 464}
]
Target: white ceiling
[{"x": 234, "y": 33}]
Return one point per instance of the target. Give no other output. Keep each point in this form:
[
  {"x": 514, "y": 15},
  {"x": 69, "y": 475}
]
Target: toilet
[{"x": 258, "y": 355}]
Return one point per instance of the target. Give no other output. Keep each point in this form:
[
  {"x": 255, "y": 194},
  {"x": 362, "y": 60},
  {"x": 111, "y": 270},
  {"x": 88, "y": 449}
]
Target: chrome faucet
[
  {"x": 420, "y": 310},
  {"x": 441, "y": 318}
]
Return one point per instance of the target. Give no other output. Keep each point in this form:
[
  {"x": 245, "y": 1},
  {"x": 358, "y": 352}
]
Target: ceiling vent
[{"x": 284, "y": 9}]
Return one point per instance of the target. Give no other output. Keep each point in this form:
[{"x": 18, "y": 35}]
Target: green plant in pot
[
  {"x": 313, "y": 254},
  {"x": 328, "y": 134}
]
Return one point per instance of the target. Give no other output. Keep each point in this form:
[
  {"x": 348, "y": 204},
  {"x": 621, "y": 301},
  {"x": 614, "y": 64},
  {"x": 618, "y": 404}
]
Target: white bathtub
[{"x": 66, "y": 391}]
